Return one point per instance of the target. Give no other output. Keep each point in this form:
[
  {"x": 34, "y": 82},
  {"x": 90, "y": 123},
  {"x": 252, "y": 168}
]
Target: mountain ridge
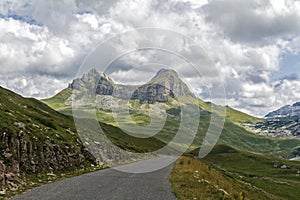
[
  {"x": 62, "y": 100},
  {"x": 166, "y": 83},
  {"x": 285, "y": 111}
]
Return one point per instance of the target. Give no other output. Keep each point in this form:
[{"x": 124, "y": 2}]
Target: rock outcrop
[
  {"x": 170, "y": 79},
  {"x": 152, "y": 93},
  {"x": 35, "y": 139},
  {"x": 165, "y": 84}
]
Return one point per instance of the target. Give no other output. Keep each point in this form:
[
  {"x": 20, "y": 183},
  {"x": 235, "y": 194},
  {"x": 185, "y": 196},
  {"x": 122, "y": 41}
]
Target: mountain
[
  {"x": 94, "y": 81},
  {"x": 286, "y": 111},
  {"x": 170, "y": 79},
  {"x": 282, "y": 123},
  {"x": 166, "y": 84},
  {"x": 35, "y": 140},
  {"x": 233, "y": 134},
  {"x": 52, "y": 143},
  {"x": 165, "y": 87},
  {"x": 39, "y": 144}
]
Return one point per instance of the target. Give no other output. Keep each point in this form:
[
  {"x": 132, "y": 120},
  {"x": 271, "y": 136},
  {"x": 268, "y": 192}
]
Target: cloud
[
  {"x": 39, "y": 86},
  {"x": 254, "y": 22},
  {"x": 44, "y": 43},
  {"x": 290, "y": 77}
]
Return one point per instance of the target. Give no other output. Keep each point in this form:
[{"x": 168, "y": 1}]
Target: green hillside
[
  {"x": 233, "y": 134},
  {"x": 57, "y": 102},
  {"x": 35, "y": 141},
  {"x": 227, "y": 173},
  {"x": 39, "y": 144},
  {"x": 232, "y": 115}
]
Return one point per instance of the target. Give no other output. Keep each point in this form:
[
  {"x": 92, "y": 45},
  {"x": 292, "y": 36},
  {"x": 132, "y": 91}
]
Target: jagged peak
[
  {"x": 96, "y": 74},
  {"x": 165, "y": 72},
  {"x": 170, "y": 79},
  {"x": 164, "y": 77},
  {"x": 95, "y": 71}
]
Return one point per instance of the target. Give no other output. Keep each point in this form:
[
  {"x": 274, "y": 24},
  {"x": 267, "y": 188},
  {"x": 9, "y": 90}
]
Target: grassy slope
[
  {"x": 27, "y": 119},
  {"x": 57, "y": 102},
  {"x": 61, "y": 127},
  {"x": 233, "y": 134},
  {"x": 238, "y": 173},
  {"x": 43, "y": 123},
  {"x": 232, "y": 115},
  {"x": 240, "y": 117}
]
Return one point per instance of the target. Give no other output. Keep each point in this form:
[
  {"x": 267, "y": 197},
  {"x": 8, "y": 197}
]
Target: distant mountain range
[
  {"x": 284, "y": 122},
  {"x": 286, "y": 111}
]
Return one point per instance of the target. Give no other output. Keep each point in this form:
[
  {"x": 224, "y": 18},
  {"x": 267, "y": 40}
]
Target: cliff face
[
  {"x": 35, "y": 139},
  {"x": 170, "y": 79},
  {"x": 166, "y": 83},
  {"x": 94, "y": 81},
  {"x": 152, "y": 93}
]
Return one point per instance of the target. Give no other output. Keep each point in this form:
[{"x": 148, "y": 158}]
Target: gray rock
[{"x": 166, "y": 83}]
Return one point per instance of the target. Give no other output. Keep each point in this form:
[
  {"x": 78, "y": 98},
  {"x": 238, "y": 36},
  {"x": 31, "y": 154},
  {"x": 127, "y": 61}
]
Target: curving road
[{"x": 112, "y": 184}]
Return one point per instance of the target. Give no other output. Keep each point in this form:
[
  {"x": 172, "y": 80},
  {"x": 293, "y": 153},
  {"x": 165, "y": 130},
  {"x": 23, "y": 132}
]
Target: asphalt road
[{"x": 112, "y": 184}]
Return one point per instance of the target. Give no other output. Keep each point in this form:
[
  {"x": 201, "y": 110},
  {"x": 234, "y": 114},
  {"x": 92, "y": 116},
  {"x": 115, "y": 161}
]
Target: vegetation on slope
[
  {"x": 58, "y": 102},
  {"x": 232, "y": 134},
  {"x": 232, "y": 115},
  {"x": 35, "y": 141},
  {"x": 39, "y": 144},
  {"x": 227, "y": 173}
]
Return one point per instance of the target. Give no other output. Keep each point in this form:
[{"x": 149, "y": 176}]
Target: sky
[{"x": 253, "y": 45}]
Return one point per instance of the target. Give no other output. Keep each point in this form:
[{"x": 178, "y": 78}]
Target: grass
[
  {"x": 232, "y": 115},
  {"x": 233, "y": 134},
  {"x": 194, "y": 179},
  {"x": 121, "y": 139},
  {"x": 240, "y": 174},
  {"x": 41, "y": 124},
  {"x": 31, "y": 124},
  {"x": 240, "y": 117},
  {"x": 57, "y": 102},
  {"x": 227, "y": 172}
]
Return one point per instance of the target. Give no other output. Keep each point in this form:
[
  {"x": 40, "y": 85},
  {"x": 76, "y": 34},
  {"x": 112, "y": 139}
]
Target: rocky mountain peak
[
  {"x": 165, "y": 73},
  {"x": 94, "y": 81},
  {"x": 286, "y": 111},
  {"x": 170, "y": 79},
  {"x": 166, "y": 83}
]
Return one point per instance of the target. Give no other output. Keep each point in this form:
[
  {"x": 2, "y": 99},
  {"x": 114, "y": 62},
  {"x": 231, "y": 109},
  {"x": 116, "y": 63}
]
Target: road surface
[{"x": 111, "y": 184}]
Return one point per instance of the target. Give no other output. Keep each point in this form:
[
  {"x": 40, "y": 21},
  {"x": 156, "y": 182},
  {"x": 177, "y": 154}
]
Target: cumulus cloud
[
  {"x": 255, "y": 22},
  {"x": 39, "y": 86},
  {"x": 43, "y": 44}
]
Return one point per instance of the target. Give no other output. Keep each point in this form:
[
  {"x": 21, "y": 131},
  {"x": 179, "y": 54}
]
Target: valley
[{"x": 79, "y": 130}]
